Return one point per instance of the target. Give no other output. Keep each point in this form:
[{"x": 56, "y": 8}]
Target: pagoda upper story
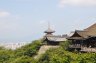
[{"x": 49, "y": 31}]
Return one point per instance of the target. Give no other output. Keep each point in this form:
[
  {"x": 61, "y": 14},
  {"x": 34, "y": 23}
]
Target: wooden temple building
[
  {"x": 84, "y": 40},
  {"x": 50, "y": 39}
]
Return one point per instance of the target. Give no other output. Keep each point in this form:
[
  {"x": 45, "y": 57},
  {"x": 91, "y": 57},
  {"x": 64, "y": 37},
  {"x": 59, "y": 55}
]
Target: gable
[{"x": 76, "y": 35}]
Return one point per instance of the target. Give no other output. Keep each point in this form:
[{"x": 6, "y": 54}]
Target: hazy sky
[{"x": 26, "y": 20}]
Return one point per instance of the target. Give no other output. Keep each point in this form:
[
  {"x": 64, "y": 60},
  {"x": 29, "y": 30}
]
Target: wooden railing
[
  {"x": 85, "y": 49},
  {"x": 75, "y": 46}
]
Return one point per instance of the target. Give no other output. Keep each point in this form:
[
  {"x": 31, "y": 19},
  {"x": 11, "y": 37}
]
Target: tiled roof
[
  {"x": 91, "y": 31},
  {"x": 88, "y": 32},
  {"x": 56, "y": 38}
]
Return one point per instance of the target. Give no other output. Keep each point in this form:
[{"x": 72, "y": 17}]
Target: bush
[{"x": 65, "y": 45}]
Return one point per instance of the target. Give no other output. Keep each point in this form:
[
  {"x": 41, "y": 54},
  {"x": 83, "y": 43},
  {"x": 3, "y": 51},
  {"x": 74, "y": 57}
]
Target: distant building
[
  {"x": 51, "y": 39},
  {"x": 84, "y": 40}
]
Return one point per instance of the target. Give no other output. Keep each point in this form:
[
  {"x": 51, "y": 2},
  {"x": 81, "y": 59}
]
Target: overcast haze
[{"x": 26, "y": 20}]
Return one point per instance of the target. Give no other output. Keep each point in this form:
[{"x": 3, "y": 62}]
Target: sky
[{"x": 26, "y": 20}]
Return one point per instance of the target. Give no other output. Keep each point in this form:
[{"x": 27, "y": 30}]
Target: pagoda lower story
[{"x": 54, "y": 40}]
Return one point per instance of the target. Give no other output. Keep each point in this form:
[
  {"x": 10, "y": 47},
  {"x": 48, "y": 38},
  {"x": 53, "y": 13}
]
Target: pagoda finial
[{"x": 48, "y": 25}]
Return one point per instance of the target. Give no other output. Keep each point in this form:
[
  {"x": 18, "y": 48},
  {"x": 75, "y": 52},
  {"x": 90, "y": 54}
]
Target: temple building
[
  {"x": 84, "y": 40},
  {"x": 50, "y": 39}
]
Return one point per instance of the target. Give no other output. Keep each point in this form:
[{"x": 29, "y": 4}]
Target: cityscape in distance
[{"x": 13, "y": 45}]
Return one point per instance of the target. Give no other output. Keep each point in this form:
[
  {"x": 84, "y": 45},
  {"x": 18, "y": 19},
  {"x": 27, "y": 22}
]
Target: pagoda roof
[{"x": 49, "y": 30}]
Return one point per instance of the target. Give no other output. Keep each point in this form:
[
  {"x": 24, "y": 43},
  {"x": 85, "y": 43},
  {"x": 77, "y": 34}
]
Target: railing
[
  {"x": 75, "y": 46},
  {"x": 85, "y": 49}
]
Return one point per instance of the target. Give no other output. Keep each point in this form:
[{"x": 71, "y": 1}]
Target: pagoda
[{"x": 50, "y": 39}]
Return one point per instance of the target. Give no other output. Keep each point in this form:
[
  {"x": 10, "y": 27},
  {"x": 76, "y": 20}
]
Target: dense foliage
[
  {"x": 61, "y": 56},
  {"x": 26, "y": 54}
]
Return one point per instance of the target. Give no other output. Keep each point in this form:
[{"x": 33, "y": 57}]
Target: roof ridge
[{"x": 91, "y": 27}]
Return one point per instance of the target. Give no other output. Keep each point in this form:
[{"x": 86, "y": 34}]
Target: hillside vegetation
[{"x": 26, "y": 54}]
